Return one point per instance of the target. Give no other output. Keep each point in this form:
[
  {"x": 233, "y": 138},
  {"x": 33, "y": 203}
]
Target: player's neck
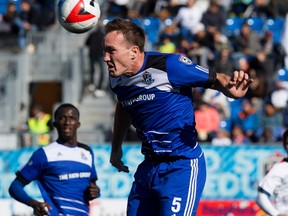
[
  {"x": 67, "y": 142},
  {"x": 136, "y": 65}
]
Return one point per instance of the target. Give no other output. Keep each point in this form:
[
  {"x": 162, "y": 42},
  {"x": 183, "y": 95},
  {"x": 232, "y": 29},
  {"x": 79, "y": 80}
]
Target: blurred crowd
[
  {"x": 223, "y": 35},
  {"x": 20, "y": 17}
]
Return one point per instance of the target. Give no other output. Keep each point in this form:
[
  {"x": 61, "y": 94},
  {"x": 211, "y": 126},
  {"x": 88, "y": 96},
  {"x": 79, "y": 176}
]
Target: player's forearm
[
  {"x": 16, "y": 190},
  {"x": 122, "y": 122},
  {"x": 265, "y": 204},
  {"x": 222, "y": 80}
]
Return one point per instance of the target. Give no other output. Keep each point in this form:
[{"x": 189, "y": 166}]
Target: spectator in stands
[
  {"x": 223, "y": 61},
  {"x": 271, "y": 123},
  {"x": 267, "y": 136},
  {"x": 47, "y": 8},
  {"x": 238, "y": 136},
  {"x": 147, "y": 8},
  {"x": 9, "y": 18},
  {"x": 248, "y": 120},
  {"x": 259, "y": 8},
  {"x": 219, "y": 101},
  {"x": 225, "y": 5},
  {"x": 167, "y": 46},
  {"x": 184, "y": 47},
  {"x": 21, "y": 127},
  {"x": 269, "y": 60},
  {"x": 258, "y": 89},
  {"x": 202, "y": 46},
  {"x": 247, "y": 43},
  {"x": 285, "y": 115},
  {"x": 95, "y": 48},
  {"x": 203, "y": 114},
  {"x": 279, "y": 7},
  {"x": 284, "y": 42},
  {"x": 220, "y": 42},
  {"x": 244, "y": 64},
  {"x": 222, "y": 138},
  {"x": 168, "y": 30},
  {"x": 235, "y": 108},
  {"x": 214, "y": 18},
  {"x": 238, "y": 7},
  {"x": 279, "y": 96},
  {"x": 40, "y": 125},
  {"x": 28, "y": 20},
  {"x": 118, "y": 8},
  {"x": 188, "y": 18},
  {"x": 267, "y": 43},
  {"x": 174, "y": 6},
  {"x": 250, "y": 49}
]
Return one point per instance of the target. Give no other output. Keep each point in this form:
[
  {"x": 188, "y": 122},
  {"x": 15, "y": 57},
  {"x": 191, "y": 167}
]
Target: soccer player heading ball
[{"x": 154, "y": 94}]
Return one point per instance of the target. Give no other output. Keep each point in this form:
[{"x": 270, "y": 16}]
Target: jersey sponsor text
[
  {"x": 143, "y": 97},
  {"x": 74, "y": 175}
]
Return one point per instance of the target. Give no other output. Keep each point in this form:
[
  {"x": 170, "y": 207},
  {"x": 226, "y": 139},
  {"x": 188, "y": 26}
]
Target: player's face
[
  {"x": 67, "y": 123},
  {"x": 117, "y": 54}
]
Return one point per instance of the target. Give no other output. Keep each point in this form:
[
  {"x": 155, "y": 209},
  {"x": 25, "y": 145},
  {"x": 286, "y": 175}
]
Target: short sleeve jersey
[
  {"x": 63, "y": 174},
  {"x": 275, "y": 183},
  {"x": 159, "y": 101}
]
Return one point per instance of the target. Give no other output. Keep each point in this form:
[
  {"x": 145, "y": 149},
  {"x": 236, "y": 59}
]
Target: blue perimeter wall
[{"x": 232, "y": 172}]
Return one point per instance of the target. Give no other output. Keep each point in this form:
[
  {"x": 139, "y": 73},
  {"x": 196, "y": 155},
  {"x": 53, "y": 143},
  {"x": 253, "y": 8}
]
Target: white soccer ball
[{"x": 78, "y": 16}]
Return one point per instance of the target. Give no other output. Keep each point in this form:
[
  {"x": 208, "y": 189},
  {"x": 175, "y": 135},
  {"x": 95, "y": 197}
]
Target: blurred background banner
[
  {"x": 233, "y": 171},
  {"x": 229, "y": 207},
  {"x": 232, "y": 176}
]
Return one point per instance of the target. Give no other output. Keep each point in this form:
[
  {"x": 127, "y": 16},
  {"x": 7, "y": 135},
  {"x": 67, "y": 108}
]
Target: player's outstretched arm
[
  {"x": 122, "y": 122},
  {"x": 235, "y": 86}
]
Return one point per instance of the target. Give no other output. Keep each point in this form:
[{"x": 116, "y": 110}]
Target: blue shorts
[{"x": 170, "y": 187}]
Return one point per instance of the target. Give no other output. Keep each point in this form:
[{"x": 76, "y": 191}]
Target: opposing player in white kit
[
  {"x": 275, "y": 184},
  {"x": 154, "y": 94},
  {"x": 64, "y": 170}
]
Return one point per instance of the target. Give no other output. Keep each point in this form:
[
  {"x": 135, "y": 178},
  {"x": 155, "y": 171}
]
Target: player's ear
[
  {"x": 134, "y": 51},
  {"x": 79, "y": 124}
]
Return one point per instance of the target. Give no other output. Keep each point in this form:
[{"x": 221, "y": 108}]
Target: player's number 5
[{"x": 176, "y": 205}]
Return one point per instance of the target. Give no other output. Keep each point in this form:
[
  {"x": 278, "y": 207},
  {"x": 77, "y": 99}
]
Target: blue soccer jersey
[
  {"x": 63, "y": 174},
  {"x": 159, "y": 101}
]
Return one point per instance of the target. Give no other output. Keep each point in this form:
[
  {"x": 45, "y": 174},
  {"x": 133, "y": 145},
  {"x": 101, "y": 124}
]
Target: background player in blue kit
[
  {"x": 154, "y": 94},
  {"x": 64, "y": 170}
]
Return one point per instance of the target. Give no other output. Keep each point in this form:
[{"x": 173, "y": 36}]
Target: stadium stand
[
  {"x": 54, "y": 55},
  {"x": 276, "y": 26},
  {"x": 233, "y": 26},
  {"x": 282, "y": 74},
  {"x": 257, "y": 24}
]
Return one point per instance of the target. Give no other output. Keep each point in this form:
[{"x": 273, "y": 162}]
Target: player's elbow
[
  {"x": 11, "y": 189},
  {"x": 262, "y": 198},
  {"x": 257, "y": 200}
]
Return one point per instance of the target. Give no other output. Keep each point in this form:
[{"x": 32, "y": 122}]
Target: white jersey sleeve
[
  {"x": 265, "y": 203},
  {"x": 275, "y": 183}
]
